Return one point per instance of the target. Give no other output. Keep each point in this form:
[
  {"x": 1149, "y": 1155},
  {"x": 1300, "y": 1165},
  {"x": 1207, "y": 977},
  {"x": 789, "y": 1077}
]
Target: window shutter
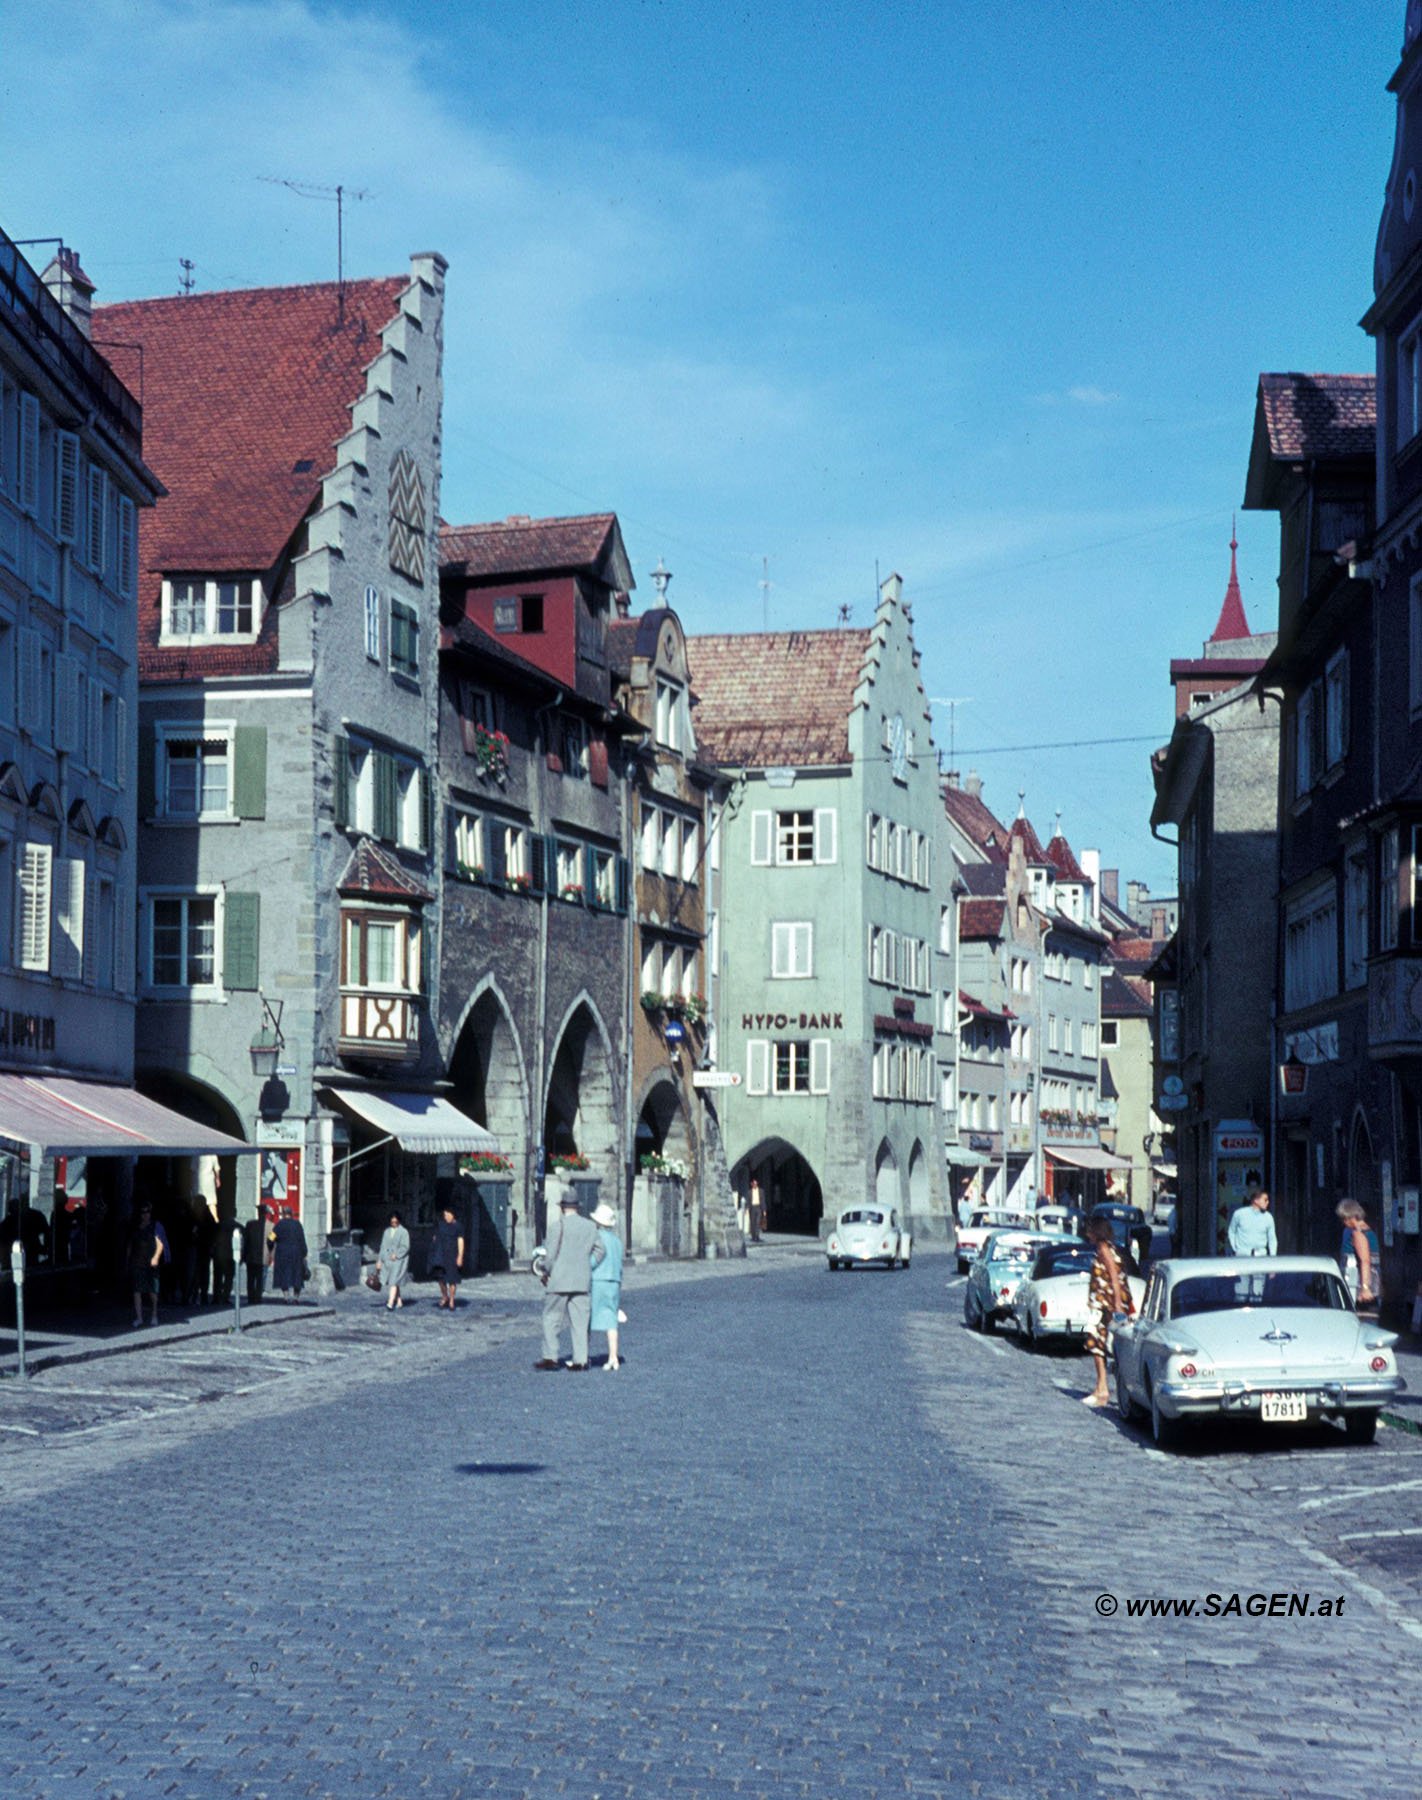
[
  {"x": 597, "y": 762},
  {"x": 121, "y": 744},
  {"x": 95, "y": 537},
  {"x": 623, "y": 883},
  {"x": 555, "y": 763},
  {"x": 539, "y": 847},
  {"x": 147, "y": 772},
  {"x": 69, "y": 917},
  {"x": 413, "y": 642},
  {"x": 32, "y": 911},
  {"x": 93, "y": 919},
  {"x": 127, "y": 548},
  {"x": 66, "y": 468},
  {"x": 425, "y": 777},
  {"x": 760, "y": 838},
  {"x": 826, "y": 834},
  {"x": 387, "y": 795},
  {"x": 249, "y": 772},
  {"x": 589, "y": 876},
  {"x": 757, "y": 1066},
  {"x": 27, "y": 712},
  {"x": 241, "y": 922},
  {"x": 341, "y": 779},
  {"x": 497, "y": 850},
  {"x": 467, "y": 736},
  {"x": 125, "y": 939},
  {"x": 29, "y": 453},
  {"x": 819, "y": 1065},
  {"x": 66, "y": 709},
  {"x": 95, "y": 758}
]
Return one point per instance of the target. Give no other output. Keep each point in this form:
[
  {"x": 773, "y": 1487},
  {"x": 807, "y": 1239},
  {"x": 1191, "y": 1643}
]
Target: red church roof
[
  {"x": 1232, "y": 622},
  {"x": 1063, "y": 860}
]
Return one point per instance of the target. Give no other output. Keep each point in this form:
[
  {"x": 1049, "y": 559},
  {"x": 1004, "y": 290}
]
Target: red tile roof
[
  {"x": 1060, "y": 856},
  {"x": 524, "y": 546},
  {"x": 1031, "y": 843},
  {"x": 1232, "y": 621},
  {"x": 245, "y": 395},
  {"x": 1133, "y": 949},
  {"x": 979, "y": 1011},
  {"x": 1319, "y": 415},
  {"x": 773, "y": 698},
  {"x": 975, "y": 821},
  {"x": 978, "y": 919}
]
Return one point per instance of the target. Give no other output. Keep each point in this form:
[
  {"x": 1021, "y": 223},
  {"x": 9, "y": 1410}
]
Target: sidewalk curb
[{"x": 107, "y": 1347}]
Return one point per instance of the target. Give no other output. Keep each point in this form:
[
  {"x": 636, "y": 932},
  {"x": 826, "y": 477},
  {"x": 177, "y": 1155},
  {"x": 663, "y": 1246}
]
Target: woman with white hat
[{"x": 607, "y": 1281}]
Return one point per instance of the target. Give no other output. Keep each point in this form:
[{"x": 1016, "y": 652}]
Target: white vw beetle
[
  {"x": 868, "y": 1234},
  {"x": 1268, "y": 1338}
]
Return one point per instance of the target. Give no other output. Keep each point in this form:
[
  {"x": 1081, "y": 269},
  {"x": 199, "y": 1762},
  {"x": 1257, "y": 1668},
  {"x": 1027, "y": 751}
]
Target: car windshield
[
  {"x": 1064, "y": 1259},
  {"x": 994, "y": 1218},
  {"x": 1007, "y": 1247},
  {"x": 861, "y": 1216},
  {"x": 1232, "y": 1293}
]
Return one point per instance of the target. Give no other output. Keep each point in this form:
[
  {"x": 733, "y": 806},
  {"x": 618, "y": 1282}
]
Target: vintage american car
[
  {"x": 1003, "y": 1261},
  {"x": 1052, "y": 1300},
  {"x": 1268, "y": 1338},
  {"x": 869, "y": 1234},
  {"x": 981, "y": 1224}
]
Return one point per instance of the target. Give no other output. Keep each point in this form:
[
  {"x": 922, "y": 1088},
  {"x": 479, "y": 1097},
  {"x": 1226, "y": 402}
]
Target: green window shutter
[
  {"x": 623, "y": 883},
  {"x": 387, "y": 797},
  {"x": 589, "y": 875},
  {"x": 427, "y": 810},
  {"x": 147, "y": 771},
  {"x": 249, "y": 779},
  {"x": 538, "y": 863},
  {"x": 241, "y": 918},
  {"x": 341, "y": 771}
]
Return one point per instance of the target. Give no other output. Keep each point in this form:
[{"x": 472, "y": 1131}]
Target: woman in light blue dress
[
  {"x": 393, "y": 1262},
  {"x": 607, "y": 1282}
]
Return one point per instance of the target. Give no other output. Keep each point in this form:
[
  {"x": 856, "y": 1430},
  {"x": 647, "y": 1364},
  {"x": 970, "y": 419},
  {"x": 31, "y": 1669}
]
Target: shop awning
[
  {"x": 1088, "y": 1156},
  {"x": 970, "y": 1159},
  {"x": 422, "y": 1124},
  {"x": 57, "y": 1116}
]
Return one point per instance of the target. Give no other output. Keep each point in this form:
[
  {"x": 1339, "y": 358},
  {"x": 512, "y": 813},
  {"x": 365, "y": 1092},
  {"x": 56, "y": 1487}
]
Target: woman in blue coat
[{"x": 607, "y": 1282}]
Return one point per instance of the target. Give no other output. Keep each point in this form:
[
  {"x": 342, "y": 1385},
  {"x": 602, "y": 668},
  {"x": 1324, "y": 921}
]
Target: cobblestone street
[{"x": 815, "y": 1538}]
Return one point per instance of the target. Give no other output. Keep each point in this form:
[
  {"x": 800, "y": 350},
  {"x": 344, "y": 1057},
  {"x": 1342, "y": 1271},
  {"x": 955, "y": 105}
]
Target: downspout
[
  {"x": 540, "y": 1072},
  {"x": 629, "y": 1010}
]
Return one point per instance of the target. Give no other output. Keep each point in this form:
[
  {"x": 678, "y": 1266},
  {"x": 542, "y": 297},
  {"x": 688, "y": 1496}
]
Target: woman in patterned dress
[{"x": 1108, "y": 1294}]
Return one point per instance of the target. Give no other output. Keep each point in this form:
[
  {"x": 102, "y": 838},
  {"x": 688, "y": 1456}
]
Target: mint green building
[{"x": 833, "y": 969}]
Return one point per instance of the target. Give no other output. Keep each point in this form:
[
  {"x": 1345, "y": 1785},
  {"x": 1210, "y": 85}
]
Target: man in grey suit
[{"x": 568, "y": 1257}]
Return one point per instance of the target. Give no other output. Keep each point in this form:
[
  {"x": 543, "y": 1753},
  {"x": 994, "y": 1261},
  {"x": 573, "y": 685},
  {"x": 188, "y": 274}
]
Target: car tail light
[
  {"x": 1042, "y": 1308},
  {"x": 1378, "y": 1364},
  {"x": 1187, "y": 1370},
  {"x": 884, "y": 1245},
  {"x": 1004, "y": 1293}
]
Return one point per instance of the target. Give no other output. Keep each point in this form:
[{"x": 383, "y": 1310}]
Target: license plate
[{"x": 1282, "y": 1409}]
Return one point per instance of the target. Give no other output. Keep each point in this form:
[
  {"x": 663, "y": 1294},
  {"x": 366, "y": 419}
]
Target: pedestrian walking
[
  {"x": 568, "y": 1258},
  {"x": 1359, "y": 1258},
  {"x": 289, "y": 1265},
  {"x": 392, "y": 1262},
  {"x": 145, "y": 1254},
  {"x": 1108, "y": 1297},
  {"x": 447, "y": 1256},
  {"x": 757, "y": 1209},
  {"x": 606, "y": 1291},
  {"x": 254, "y": 1255},
  {"x": 1251, "y": 1229}
]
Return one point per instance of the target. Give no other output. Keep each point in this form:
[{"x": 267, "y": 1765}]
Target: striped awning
[
  {"x": 54, "y": 1115},
  {"x": 422, "y": 1124}
]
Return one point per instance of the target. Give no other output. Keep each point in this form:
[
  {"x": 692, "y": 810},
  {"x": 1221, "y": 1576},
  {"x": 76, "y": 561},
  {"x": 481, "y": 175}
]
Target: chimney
[
  {"x": 1158, "y": 929},
  {"x": 1090, "y": 861},
  {"x": 1111, "y": 887},
  {"x": 974, "y": 784},
  {"x": 71, "y": 288},
  {"x": 950, "y": 778}
]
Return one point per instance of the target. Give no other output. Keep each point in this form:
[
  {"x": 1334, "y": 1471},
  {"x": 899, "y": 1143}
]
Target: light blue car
[{"x": 1003, "y": 1263}]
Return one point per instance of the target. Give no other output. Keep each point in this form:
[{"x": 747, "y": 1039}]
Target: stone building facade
[{"x": 830, "y": 974}]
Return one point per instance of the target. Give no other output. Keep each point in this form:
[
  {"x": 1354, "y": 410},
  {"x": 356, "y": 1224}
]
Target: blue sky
[{"x": 975, "y": 293}]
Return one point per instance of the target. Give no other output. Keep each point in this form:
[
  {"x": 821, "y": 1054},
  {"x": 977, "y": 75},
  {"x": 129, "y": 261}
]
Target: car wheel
[
  {"x": 968, "y": 1318},
  {"x": 1360, "y": 1427},
  {"x": 1165, "y": 1432},
  {"x": 987, "y": 1323},
  {"x": 1125, "y": 1405},
  {"x": 962, "y": 1266}
]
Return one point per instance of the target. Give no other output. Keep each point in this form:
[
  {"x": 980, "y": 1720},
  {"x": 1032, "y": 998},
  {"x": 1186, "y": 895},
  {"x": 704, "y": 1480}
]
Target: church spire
[{"x": 1232, "y": 622}]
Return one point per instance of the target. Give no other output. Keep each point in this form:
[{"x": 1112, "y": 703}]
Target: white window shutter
[
  {"x": 96, "y": 523},
  {"x": 803, "y": 955},
  {"x": 66, "y": 707},
  {"x": 757, "y": 1066},
  {"x": 819, "y": 1065},
  {"x": 121, "y": 742},
  {"x": 33, "y": 910},
  {"x": 826, "y": 834},
  {"x": 761, "y": 836},
  {"x": 69, "y": 917},
  {"x": 66, "y": 486},
  {"x": 29, "y": 453}
]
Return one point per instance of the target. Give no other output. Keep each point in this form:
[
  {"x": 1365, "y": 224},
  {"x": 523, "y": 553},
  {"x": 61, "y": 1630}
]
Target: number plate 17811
[{"x": 1282, "y": 1409}]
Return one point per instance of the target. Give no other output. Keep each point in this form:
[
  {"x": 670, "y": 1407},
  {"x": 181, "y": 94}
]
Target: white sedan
[
  {"x": 869, "y": 1234},
  {"x": 1053, "y": 1301},
  {"x": 980, "y": 1227},
  {"x": 1272, "y": 1339}
]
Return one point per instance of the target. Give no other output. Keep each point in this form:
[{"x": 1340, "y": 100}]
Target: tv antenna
[
  {"x": 186, "y": 281},
  {"x": 766, "y": 584},
  {"x": 311, "y": 190},
  {"x": 952, "y": 702},
  {"x": 846, "y": 612}
]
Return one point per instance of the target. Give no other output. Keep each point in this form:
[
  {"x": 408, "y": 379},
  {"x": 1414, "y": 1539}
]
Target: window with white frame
[
  {"x": 785, "y": 1067},
  {"x": 873, "y": 840},
  {"x": 795, "y": 838},
  {"x": 404, "y": 640},
  {"x": 1053, "y": 1032},
  {"x": 1311, "y": 948},
  {"x": 196, "y": 775},
  {"x": 573, "y": 748},
  {"x": 388, "y": 794},
  {"x": 515, "y": 847},
  {"x": 223, "y": 609},
  {"x": 1088, "y": 974},
  {"x": 690, "y": 849},
  {"x": 1088, "y": 1037},
  {"x": 372, "y": 623},
  {"x": 1305, "y": 730},
  {"x": 792, "y": 950},
  {"x": 1069, "y": 1037},
  {"x": 651, "y": 837},
  {"x": 945, "y": 929},
  {"x": 569, "y": 870},
  {"x": 604, "y": 892},
  {"x": 182, "y": 940},
  {"x": 670, "y": 710},
  {"x": 1355, "y": 916},
  {"x": 33, "y": 884},
  {"x": 1409, "y": 385},
  {"x": 471, "y": 853}
]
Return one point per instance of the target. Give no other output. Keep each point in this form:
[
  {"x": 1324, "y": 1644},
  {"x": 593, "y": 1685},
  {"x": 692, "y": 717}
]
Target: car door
[{"x": 1130, "y": 1338}]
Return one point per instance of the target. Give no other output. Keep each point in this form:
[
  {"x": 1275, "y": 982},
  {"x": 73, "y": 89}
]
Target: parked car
[
  {"x": 1059, "y": 1218},
  {"x": 1129, "y": 1228},
  {"x": 869, "y": 1234},
  {"x": 1273, "y": 1339},
  {"x": 992, "y": 1281},
  {"x": 981, "y": 1224},
  {"x": 1052, "y": 1300}
]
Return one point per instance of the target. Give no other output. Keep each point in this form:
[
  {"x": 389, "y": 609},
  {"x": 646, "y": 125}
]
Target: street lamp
[{"x": 266, "y": 1047}]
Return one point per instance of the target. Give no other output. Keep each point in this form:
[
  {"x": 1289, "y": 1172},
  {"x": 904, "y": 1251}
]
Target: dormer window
[
  {"x": 1409, "y": 386},
  {"x": 223, "y": 610}
]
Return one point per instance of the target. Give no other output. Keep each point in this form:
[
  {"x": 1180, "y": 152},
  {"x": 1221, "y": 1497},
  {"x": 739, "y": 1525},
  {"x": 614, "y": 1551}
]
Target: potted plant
[
  {"x": 485, "y": 1162},
  {"x": 653, "y": 1001},
  {"x": 669, "y": 1167},
  {"x": 568, "y": 1161},
  {"x": 572, "y": 892},
  {"x": 490, "y": 750}
]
